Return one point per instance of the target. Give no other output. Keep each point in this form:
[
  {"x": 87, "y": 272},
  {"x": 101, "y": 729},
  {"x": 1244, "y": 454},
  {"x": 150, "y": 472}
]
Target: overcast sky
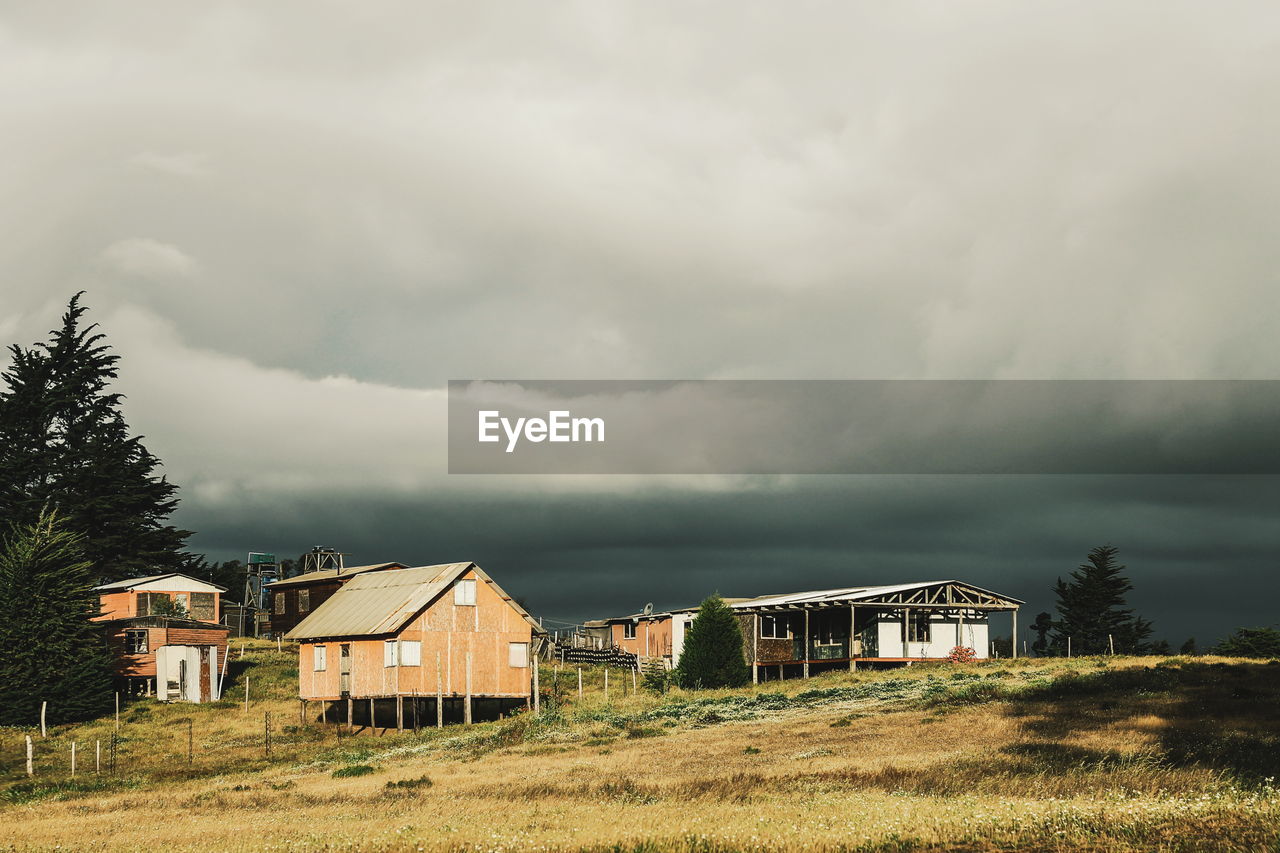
[{"x": 296, "y": 221}]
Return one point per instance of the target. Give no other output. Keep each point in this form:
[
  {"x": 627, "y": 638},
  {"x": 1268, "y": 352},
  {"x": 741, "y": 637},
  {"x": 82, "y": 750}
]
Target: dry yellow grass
[{"x": 1133, "y": 754}]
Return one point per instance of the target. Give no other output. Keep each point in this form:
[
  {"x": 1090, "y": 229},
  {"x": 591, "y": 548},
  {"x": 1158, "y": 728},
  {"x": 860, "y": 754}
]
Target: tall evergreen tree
[
  {"x": 1091, "y": 609},
  {"x": 49, "y": 650},
  {"x": 713, "y": 655},
  {"x": 64, "y": 444}
]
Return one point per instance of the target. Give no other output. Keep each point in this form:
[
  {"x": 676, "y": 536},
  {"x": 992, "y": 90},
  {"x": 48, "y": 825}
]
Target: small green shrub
[
  {"x": 352, "y": 770},
  {"x": 409, "y": 784}
]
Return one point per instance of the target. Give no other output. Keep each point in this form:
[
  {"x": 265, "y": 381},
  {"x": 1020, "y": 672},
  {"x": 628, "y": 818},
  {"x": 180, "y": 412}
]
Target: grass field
[{"x": 1087, "y": 754}]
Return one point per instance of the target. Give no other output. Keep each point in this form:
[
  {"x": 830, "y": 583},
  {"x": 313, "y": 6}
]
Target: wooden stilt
[
  {"x": 371, "y": 717},
  {"x": 1014, "y": 636},
  {"x": 399, "y": 713},
  {"x": 537, "y": 697},
  {"x": 439, "y": 695},
  {"x": 351, "y": 714}
]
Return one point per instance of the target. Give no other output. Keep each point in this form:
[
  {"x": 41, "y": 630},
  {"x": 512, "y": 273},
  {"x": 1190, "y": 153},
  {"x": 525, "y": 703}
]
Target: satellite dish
[{"x": 648, "y": 608}]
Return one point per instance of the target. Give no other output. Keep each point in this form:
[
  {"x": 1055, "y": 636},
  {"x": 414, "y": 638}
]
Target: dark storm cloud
[
  {"x": 297, "y": 221},
  {"x": 1184, "y": 539}
]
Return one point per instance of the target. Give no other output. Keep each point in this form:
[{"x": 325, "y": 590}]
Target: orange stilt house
[
  {"x": 177, "y": 656},
  {"x": 441, "y": 637}
]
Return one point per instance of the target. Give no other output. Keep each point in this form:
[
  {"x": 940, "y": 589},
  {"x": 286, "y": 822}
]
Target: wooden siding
[
  {"x": 144, "y": 665},
  {"x": 652, "y": 639},
  {"x": 445, "y": 629},
  {"x": 319, "y": 592}
]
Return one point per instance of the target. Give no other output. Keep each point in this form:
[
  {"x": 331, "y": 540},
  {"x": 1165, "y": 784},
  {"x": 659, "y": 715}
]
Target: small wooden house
[
  {"x": 442, "y": 637},
  {"x": 294, "y": 599},
  {"x": 177, "y": 657}
]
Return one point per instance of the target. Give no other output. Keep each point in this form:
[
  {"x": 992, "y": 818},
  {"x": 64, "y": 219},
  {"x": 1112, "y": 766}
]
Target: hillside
[{"x": 1095, "y": 754}]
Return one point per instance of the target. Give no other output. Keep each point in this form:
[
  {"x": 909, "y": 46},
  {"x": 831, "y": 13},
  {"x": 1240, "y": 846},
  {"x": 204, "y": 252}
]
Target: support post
[
  {"x": 302, "y": 712},
  {"x": 97, "y": 757},
  {"x": 960, "y": 627},
  {"x": 191, "y": 742},
  {"x": 906, "y": 632},
  {"x": 372, "y": 727},
  {"x": 806, "y": 643},
  {"x": 755, "y": 648},
  {"x": 579, "y": 684},
  {"x": 351, "y": 714},
  {"x": 246, "y": 691},
  {"x": 399, "y": 713},
  {"x": 31, "y": 769},
  {"x": 853, "y": 635},
  {"x": 439, "y": 695},
  {"x": 73, "y": 759},
  {"x": 466, "y": 710},
  {"x": 118, "y": 709},
  {"x": 44, "y": 706},
  {"x": 1014, "y": 636}
]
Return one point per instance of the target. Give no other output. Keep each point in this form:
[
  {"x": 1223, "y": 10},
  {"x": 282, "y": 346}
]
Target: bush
[
  {"x": 962, "y": 654},
  {"x": 352, "y": 770}
]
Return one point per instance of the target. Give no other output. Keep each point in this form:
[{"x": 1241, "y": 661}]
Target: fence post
[
  {"x": 73, "y": 759},
  {"x": 579, "y": 684},
  {"x": 31, "y": 770},
  {"x": 43, "y": 706},
  {"x": 606, "y": 684},
  {"x": 117, "y": 710},
  {"x": 191, "y": 752},
  {"x": 114, "y": 741},
  {"x": 266, "y": 731},
  {"x": 97, "y": 757},
  {"x": 246, "y": 691}
]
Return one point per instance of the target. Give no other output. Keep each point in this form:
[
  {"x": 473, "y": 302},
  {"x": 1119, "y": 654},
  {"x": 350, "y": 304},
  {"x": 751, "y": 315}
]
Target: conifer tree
[
  {"x": 1091, "y": 609},
  {"x": 64, "y": 444},
  {"x": 712, "y": 655},
  {"x": 49, "y": 650}
]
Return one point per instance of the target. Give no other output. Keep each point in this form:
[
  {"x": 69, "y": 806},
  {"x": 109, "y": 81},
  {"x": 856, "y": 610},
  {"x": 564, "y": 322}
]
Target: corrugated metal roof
[
  {"x": 328, "y": 574},
  {"x": 379, "y": 603},
  {"x": 129, "y": 583}
]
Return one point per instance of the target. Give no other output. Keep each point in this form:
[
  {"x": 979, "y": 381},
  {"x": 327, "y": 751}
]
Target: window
[
  {"x": 628, "y": 630},
  {"x": 183, "y": 601},
  {"x": 278, "y": 601},
  {"x": 152, "y": 603},
  {"x": 918, "y": 628},
  {"x": 775, "y": 627},
  {"x": 464, "y": 592},
  {"x": 389, "y": 653},
  {"x": 410, "y": 653},
  {"x": 304, "y": 600},
  {"x": 135, "y": 642},
  {"x": 202, "y": 606},
  {"x": 518, "y": 655},
  {"x": 320, "y": 658}
]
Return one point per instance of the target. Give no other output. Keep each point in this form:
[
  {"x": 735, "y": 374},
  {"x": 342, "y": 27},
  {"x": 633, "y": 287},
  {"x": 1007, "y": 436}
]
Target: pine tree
[
  {"x": 712, "y": 655},
  {"x": 1189, "y": 647},
  {"x": 49, "y": 650},
  {"x": 1091, "y": 609},
  {"x": 64, "y": 444}
]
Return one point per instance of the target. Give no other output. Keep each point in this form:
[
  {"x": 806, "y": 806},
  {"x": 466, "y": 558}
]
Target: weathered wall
[
  {"x": 448, "y": 632},
  {"x": 652, "y": 639}
]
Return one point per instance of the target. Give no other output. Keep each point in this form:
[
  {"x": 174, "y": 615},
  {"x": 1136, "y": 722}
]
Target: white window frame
[
  {"x": 518, "y": 655},
  {"x": 319, "y": 658},
  {"x": 146, "y": 641},
  {"x": 629, "y": 630},
  {"x": 410, "y": 652},
  {"x": 777, "y": 620},
  {"x": 304, "y": 600},
  {"x": 464, "y": 592},
  {"x": 390, "y": 653}
]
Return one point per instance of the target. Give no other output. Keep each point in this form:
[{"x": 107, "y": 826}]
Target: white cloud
[{"x": 142, "y": 257}]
